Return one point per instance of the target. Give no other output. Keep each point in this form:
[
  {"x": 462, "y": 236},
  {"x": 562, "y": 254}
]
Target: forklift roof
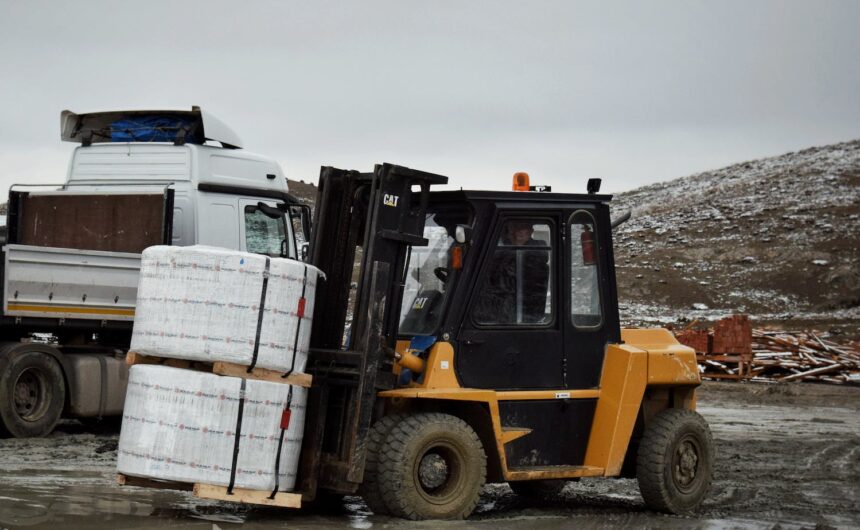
[
  {"x": 112, "y": 126},
  {"x": 517, "y": 196}
]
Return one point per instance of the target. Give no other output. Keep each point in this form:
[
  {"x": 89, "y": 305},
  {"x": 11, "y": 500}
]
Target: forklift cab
[
  {"x": 484, "y": 345},
  {"x": 529, "y": 300}
]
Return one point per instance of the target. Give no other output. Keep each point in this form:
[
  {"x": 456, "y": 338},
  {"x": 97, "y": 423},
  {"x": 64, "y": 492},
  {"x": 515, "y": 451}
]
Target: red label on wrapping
[
  {"x": 285, "y": 419},
  {"x": 301, "y": 309}
]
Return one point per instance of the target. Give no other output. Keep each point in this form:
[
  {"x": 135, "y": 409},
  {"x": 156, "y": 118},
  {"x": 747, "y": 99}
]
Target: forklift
[{"x": 472, "y": 337}]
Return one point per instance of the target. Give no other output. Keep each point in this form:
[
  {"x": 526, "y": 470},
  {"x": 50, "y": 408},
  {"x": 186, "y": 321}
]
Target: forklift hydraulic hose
[{"x": 624, "y": 218}]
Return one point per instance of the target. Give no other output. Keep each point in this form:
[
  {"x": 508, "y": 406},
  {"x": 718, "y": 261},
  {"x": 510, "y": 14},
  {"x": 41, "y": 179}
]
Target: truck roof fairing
[{"x": 74, "y": 127}]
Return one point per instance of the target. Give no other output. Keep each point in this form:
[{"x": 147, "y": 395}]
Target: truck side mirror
[{"x": 304, "y": 251}]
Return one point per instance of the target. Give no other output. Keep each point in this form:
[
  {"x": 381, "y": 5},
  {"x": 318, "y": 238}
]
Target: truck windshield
[
  {"x": 265, "y": 234},
  {"x": 429, "y": 277}
]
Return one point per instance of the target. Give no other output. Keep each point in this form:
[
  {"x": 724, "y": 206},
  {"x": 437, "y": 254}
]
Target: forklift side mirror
[{"x": 304, "y": 251}]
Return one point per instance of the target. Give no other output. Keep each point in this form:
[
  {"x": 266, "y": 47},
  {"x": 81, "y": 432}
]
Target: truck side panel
[
  {"x": 69, "y": 283},
  {"x": 92, "y": 221}
]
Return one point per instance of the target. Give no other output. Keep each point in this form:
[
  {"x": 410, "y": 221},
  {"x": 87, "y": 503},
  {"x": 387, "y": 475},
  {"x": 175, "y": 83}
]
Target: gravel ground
[{"x": 787, "y": 455}]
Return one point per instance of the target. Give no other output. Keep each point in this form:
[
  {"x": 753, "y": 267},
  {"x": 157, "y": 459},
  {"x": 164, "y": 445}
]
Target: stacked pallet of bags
[{"x": 213, "y": 306}]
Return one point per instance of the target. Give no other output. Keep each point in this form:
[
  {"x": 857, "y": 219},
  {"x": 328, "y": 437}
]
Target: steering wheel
[{"x": 441, "y": 273}]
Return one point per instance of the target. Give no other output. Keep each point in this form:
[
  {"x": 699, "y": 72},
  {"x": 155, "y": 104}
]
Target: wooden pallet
[
  {"x": 281, "y": 499},
  {"x": 222, "y": 368},
  {"x": 736, "y": 366}
]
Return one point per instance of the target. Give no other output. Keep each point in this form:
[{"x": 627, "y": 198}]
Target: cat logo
[
  {"x": 420, "y": 302},
  {"x": 390, "y": 200}
]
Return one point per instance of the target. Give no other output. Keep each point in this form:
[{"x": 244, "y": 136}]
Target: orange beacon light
[{"x": 521, "y": 181}]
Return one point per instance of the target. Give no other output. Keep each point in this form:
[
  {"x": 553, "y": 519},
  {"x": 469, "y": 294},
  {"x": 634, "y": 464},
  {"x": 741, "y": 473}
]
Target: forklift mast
[{"x": 364, "y": 223}]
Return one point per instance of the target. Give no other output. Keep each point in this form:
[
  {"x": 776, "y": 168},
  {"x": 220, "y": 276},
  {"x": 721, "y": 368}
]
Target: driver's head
[{"x": 519, "y": 232}]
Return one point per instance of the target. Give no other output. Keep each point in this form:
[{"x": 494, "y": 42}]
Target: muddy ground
[{"x": 787, "y": 455}]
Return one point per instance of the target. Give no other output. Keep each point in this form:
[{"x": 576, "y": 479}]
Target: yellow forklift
[{"x": 472, "y": 337}]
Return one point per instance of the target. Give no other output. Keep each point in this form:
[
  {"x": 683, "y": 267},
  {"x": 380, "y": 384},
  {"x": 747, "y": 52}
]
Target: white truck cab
[
  {"x": 72, "y": 256},
  {"x": 215, "y": 188}
]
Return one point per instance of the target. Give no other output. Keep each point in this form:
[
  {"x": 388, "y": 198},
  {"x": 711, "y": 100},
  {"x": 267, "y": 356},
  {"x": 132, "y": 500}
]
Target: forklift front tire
[
  {"x": 432, "y": 466},
  {"x": 675, "y": 462},
  {"x": 370, "y": 485}
]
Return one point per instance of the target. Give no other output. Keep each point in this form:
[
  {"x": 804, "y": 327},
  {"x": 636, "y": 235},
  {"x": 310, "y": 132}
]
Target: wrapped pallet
[
  {"x": 212, "y": 304},
  {"x": 197, "y": 427}
]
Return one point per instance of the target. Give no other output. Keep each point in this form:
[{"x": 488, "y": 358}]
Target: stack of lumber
[
  {"x": 802, "y": 356},
  {"x": 734, "y": 350}
]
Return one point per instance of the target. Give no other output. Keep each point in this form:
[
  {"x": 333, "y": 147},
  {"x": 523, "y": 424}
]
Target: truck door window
[
  {"x": 585, "y": 307},
  {"x": 517, "y": 288},
  {"x": 265, "y": 234}
]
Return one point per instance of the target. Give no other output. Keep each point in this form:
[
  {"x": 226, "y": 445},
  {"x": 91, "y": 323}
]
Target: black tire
[
  {"x": 370, "y": 486},
  {"x": 538, "y": 490},
  {"x": 32, "y": 394},
  {"x": 432, "y": 466},
  {"x": 675, "y": 462}
]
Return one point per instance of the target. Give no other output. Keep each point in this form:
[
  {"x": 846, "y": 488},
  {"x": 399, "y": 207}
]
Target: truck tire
[
  {"x": 538, "y": 490},
  {"x": 370, "y": 485},
  {"x": 675, "y": 462},
  {"x": 32, "y": 394},
  {"x": 432, "y": 466}
]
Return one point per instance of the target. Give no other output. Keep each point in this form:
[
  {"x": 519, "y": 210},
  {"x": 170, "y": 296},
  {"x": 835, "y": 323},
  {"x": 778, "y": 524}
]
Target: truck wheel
[
  {"x": 539, "y": 490},
  {"x": 370, "y": 486},
  {"x": 32, "y": 394},
  {"x": 675, "y": 462},
  {"x": 432, "y": 466}
]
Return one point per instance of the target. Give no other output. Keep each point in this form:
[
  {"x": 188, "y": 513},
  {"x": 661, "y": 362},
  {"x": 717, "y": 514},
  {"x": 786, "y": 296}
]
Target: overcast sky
[{"x": 633, "y": 92}]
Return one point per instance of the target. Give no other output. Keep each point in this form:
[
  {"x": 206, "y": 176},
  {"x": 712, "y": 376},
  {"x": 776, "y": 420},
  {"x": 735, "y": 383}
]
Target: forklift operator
[{"x": 516, "y": 287}]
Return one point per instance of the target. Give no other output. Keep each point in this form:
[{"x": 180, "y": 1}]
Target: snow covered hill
[{"x": 778, "y": 238}]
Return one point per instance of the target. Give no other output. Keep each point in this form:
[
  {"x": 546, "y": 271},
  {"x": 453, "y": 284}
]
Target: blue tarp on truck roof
[{"x": 154, "y": 128}]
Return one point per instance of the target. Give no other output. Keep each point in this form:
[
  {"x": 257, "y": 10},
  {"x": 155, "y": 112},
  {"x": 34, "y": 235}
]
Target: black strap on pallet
[
  {"x": 236, "y": 439},
  {"x": 260, "y": 315},
  {"x": 285, "y": 424},
  {"x": 300, "y": 311}
]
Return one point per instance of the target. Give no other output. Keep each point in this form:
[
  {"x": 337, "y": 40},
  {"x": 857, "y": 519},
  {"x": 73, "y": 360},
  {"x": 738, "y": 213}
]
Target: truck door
[{"x": 511, "y": 337}]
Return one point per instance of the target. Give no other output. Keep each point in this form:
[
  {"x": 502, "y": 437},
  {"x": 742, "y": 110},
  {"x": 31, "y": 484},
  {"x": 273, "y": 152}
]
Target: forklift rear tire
[
  {"x": 370, "y": 485},
  {"x": 433, "y": 466},
  {"x": 539, "y": 490},
  {"x": 675, "y": 462},
  {"x": 32, "y": 394}
]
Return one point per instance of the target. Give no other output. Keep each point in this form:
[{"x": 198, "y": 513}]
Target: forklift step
[
  {"x": 553, "y": 472},
  {"x": 281, "y": 499},
  {"x": 222, "y": 368}
]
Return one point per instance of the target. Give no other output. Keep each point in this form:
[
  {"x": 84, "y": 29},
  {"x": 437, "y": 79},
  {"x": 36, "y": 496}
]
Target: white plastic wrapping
[
  {"x": 181, "y": 425},
  {"x": 203, "y": 303}
]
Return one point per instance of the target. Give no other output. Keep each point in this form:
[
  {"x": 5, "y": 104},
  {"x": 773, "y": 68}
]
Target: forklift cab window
[
  {"x": 266, "y": 233},
  {"x": 585, "y": 304},
  {"x": 517, "y": 289},
  {"x": 428, "y": 275}
]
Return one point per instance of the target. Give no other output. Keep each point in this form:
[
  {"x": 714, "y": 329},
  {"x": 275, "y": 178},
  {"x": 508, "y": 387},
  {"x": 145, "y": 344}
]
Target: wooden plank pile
[
  {"x": 734, "y": 350},
  {"x": 803, "y": 356}
]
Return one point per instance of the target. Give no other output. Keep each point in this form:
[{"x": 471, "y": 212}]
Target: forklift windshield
[{"x": 429, "y": 276}]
